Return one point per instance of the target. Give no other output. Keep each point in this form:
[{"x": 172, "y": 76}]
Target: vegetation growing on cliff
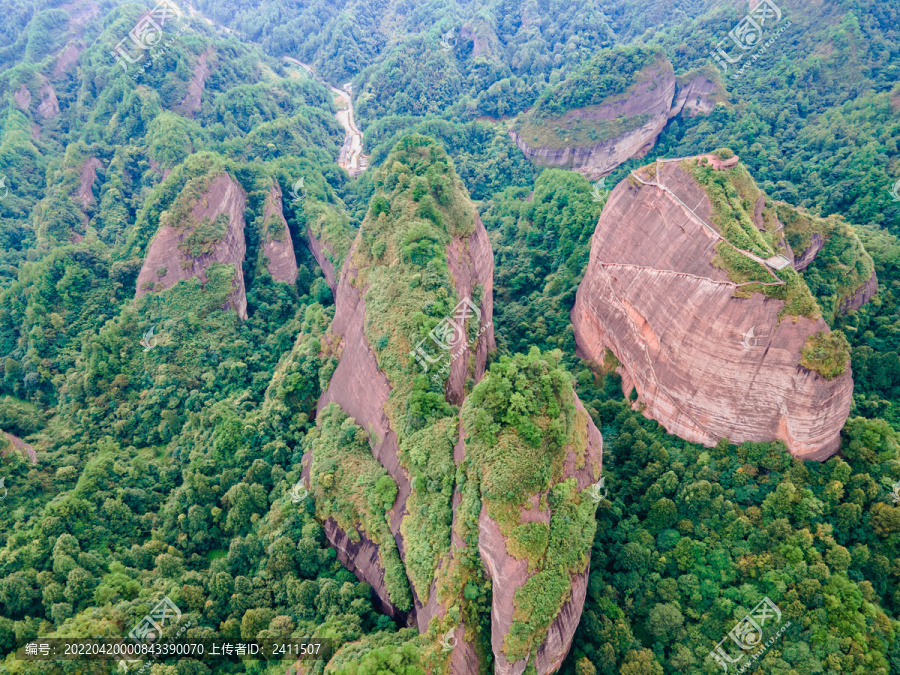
[
  {"x": 521, "y": 424},
  {"x": 827, "y": 353},
  {"x": 840, "y": 269},
  {"x": 350, "y": 486},
  {"x": 561, "y": 117}
]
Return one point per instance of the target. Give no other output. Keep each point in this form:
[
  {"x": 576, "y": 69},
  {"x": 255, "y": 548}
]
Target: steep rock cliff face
[
  {"x": 651, "y": 99},
  {"x": 277, "y": 245},
  {"x": 400, "y": 348},
  {"x": 709, "y": 359},
  {"x": 197, "y": 232},
  {"x": 594, "y": 139},
  {"x": 329, "y": 234},
  {"x": 191, "y": 103},
  {"x": 861, "y": 296},
  {"x": 698, "y": 93}
]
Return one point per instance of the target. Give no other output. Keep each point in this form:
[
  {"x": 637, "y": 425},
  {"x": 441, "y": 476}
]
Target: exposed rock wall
[
  {"x": 88, "y": 176},
  {"x": 223, "y": 196},
  {"x": 508, "y": 575},
  {"x": 278, "y": 247},
  {"x": 652, "y": 97},
  {"x": 862, "y": 296},
  {"x": 695, "y": 97},
  {"x": 49, "y": 105},
  {"x": 191, "y": 102},
  {"x": 705, "y": 364},
  {"x": 22, "y": 447},
  {"x": 809, "y": 254},
  {"x": 320, "y": 251},
  {"x": 361, "y": 389}
]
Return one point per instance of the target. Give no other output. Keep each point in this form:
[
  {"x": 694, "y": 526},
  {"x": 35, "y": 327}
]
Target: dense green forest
[{"x": 169, "y": 432}]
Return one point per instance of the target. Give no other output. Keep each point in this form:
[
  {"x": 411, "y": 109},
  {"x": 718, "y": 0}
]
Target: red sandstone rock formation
[
  {"x": 361, "y": 388},
  {"x": 222, "y": 196},
  {"x": 21, "y": 446},
  {"x": 696, "y": 96},
  {"x": 88, "y": 176},
  {"x": 508, "y": 575},
  {"x": 278, "y": 247},
  {"x": 191, "y": 102},
  {"x": 706, "y": 364},
  {"x": 652, "y": 97}
]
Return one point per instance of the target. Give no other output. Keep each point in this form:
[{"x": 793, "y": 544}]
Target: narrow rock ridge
[
  {"x": 361, "y": 389},
  {"x": 223, "y": 196},
  {"x": 88, "y": 176},
  {"x": 192, "y": 100},
  {"x": 278, "y": 247},
  {"x": 471, "y": 263},
  {"x": 652, "y": 97},
  {"x": 508, "y": 575},
  {"x": 705, "y": 364}
]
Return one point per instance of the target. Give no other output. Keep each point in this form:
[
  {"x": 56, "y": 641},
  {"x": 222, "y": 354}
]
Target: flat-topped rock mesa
[
  {"x": 399, "y": 345},
  {"x": 714, "y": 339},
  {"x": 278, "y": 248},
  {"x": 203, "y": 227},
  {"x": 609, "y": 110}
]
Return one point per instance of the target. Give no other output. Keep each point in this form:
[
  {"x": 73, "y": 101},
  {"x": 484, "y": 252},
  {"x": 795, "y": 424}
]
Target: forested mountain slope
[{"x": 191, "y": 289}]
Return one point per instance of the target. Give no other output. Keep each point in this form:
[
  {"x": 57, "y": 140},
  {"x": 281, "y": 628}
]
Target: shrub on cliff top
[{"x": 828, "y": 354}]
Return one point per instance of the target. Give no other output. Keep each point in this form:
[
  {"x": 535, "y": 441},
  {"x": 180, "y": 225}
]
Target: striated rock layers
[
  {"x": 401, "y": 370},
  {"x": 277, "y": 246},
  {"x": 697, "y": 94},
  {"x": 706, "y": 363},
  {"x": 196, "y": 233},
  {"x": 648, "y": 104}
]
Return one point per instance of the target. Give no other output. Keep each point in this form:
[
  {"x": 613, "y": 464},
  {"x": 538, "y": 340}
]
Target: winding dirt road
[{"x": 350, "y": 157}]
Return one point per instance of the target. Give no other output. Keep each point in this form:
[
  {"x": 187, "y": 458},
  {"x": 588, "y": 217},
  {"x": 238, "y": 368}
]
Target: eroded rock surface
[
  {"x": 651, "y": 98},
  {"x": 278, "y": 247},
  {"x": 169, "y": 258},
  {"x": 706, "y": 364}
]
